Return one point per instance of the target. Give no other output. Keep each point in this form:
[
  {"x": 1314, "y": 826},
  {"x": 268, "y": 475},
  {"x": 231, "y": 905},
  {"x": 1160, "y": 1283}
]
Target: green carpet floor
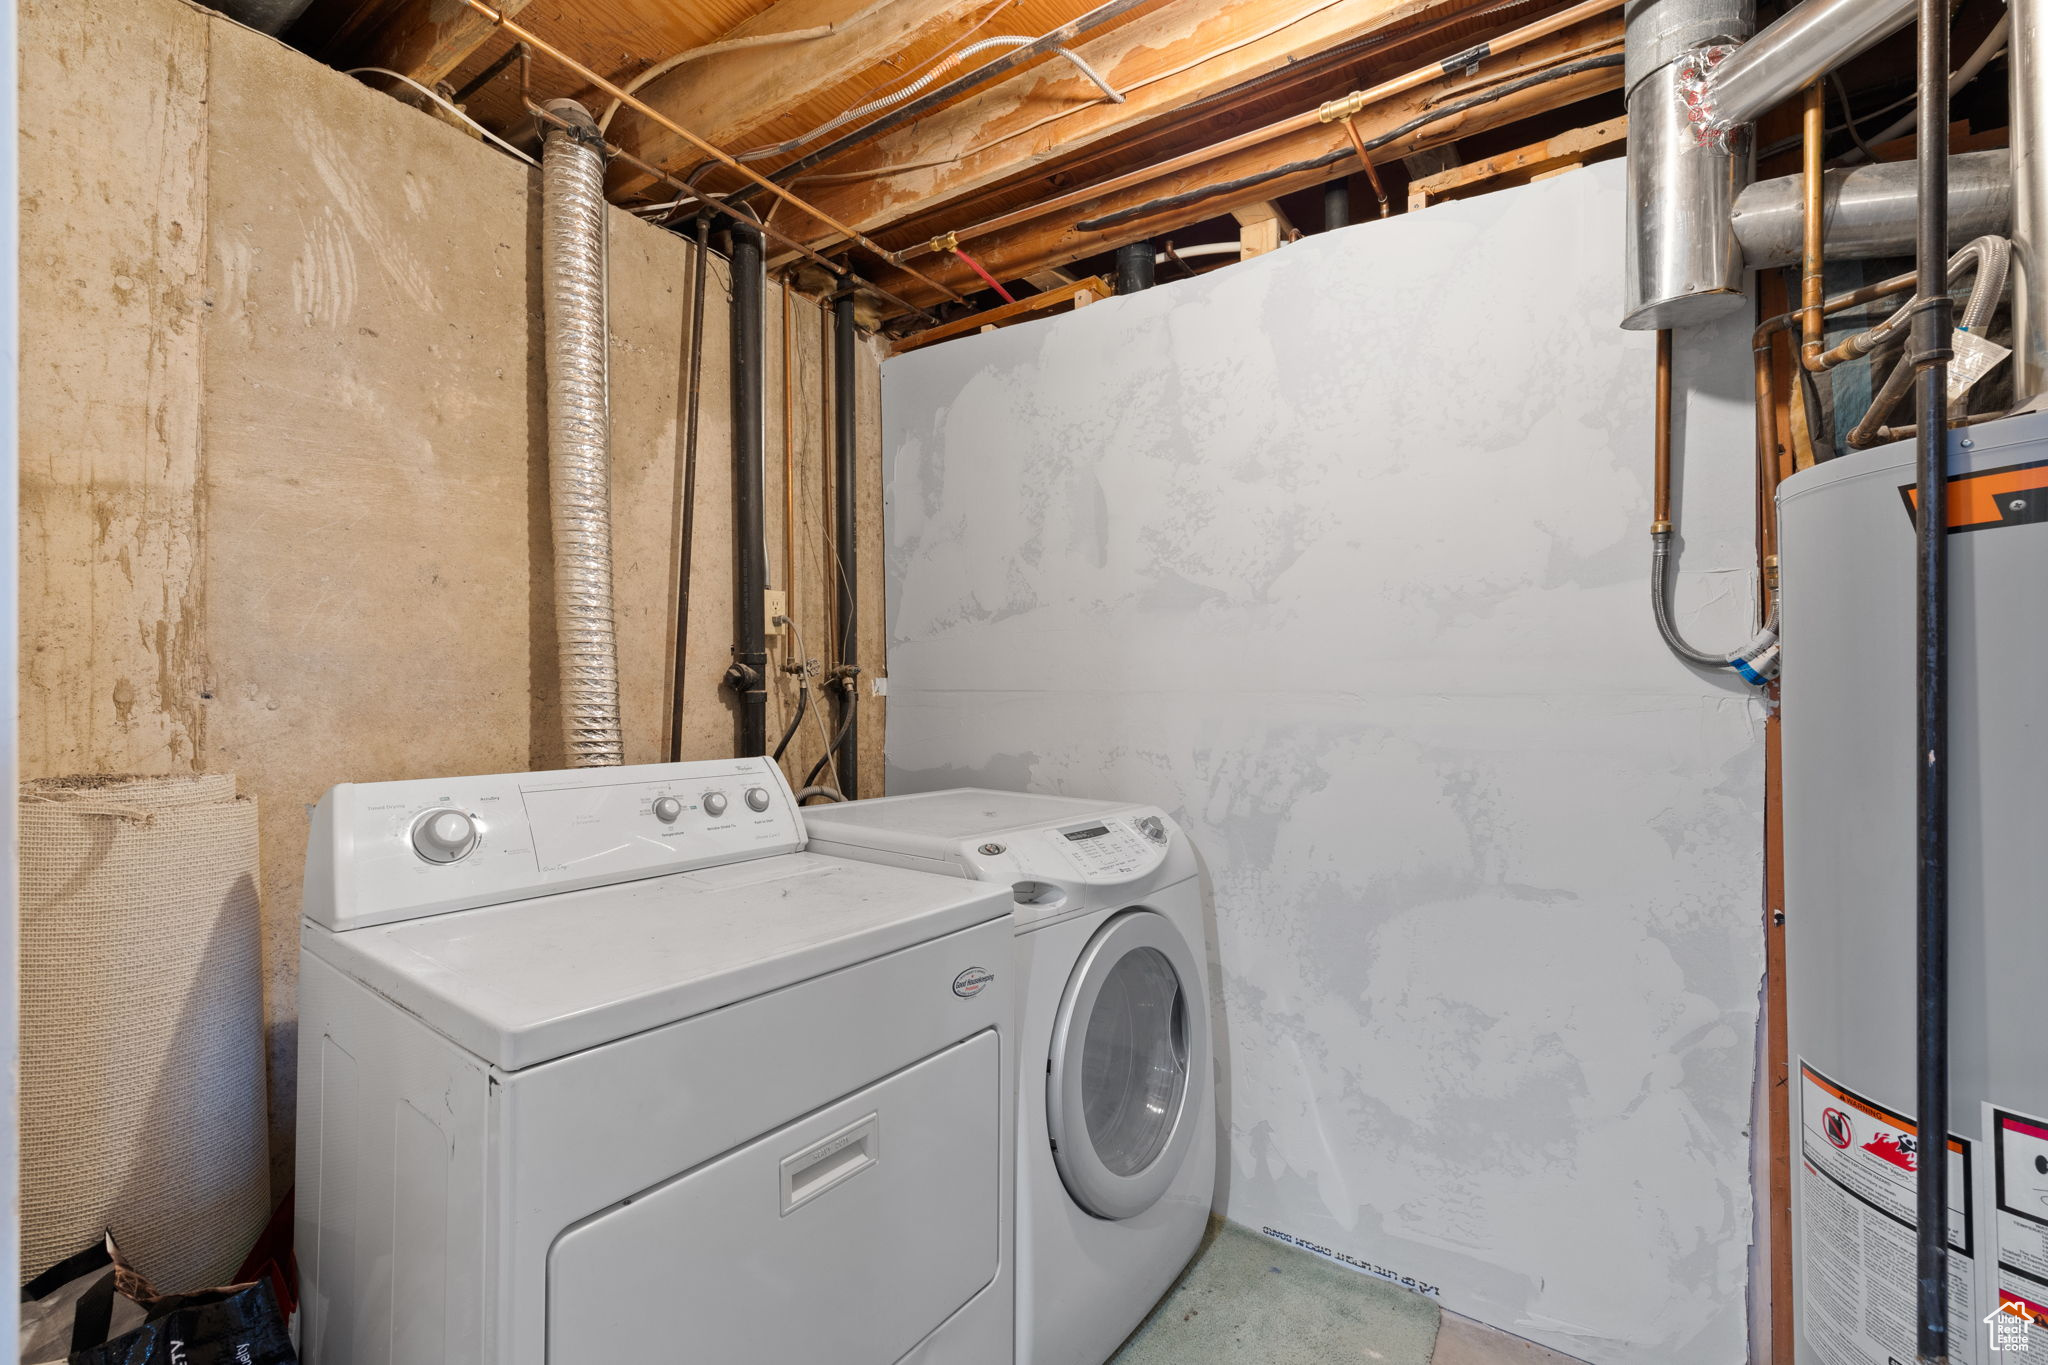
[{"x": 1247, "y": 1299}]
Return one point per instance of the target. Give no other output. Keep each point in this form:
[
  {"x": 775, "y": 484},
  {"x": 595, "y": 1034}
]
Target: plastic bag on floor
[{"x": 95, "y": 1309}]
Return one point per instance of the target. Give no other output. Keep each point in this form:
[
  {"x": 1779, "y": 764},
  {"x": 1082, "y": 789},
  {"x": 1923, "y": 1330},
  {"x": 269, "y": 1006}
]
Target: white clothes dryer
[
  {"x": 600, "y": 1066},
  {"x": 1116, "y": 1146}
]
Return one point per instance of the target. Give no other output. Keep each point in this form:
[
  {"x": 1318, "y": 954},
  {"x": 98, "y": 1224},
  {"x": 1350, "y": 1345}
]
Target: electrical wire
[
  {"x": 1986, "y": 53},
  {"x": 444, "y": 103},
  {"x": 1441, "y": 112},
  {"x": 1849, "y": 114},
  {"x": 794, "y": 35},
  {"x": 1354, "y": 51},
  {"x": 817, "y": 718},
  {"x": 898, "y": 96}
]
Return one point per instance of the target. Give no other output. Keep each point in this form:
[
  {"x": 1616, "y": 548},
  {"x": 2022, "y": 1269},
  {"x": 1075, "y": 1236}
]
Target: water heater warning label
[
  {"x": 1857, "y": 1228},
  {"x": 2019, "y": 1170}
]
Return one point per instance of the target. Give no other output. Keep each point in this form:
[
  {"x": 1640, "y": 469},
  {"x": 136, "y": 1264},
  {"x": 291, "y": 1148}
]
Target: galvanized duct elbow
[
  {"x": 579, "y": 435},
  {"x": 1684, "y": 266},
  {"x": 1694, "y": 86}
]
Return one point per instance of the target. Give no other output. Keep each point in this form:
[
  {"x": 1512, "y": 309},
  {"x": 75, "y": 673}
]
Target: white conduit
[{"x": 579, "y": 436}]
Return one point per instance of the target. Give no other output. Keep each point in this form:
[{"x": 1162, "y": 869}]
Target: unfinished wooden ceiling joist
[{"x": 1034, "y": 159}]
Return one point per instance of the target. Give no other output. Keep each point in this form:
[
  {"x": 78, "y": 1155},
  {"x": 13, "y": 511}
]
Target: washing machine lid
[
  {"x": 933, "y": 823},
  {"x": 533, "y": 980},
  {"x": 1062, "y": 855}
]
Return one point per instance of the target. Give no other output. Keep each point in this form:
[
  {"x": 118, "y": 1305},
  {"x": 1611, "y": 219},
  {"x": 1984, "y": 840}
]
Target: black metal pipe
[
  {"x": 748, "y": 676},
  {"x": 1134, "y": 267},
  {"x": 689, "y": 527},
  {"x": 1932, "y": 329},
  {"x": 1337, "y": 203},
  {"x": 845, "y": 539}
]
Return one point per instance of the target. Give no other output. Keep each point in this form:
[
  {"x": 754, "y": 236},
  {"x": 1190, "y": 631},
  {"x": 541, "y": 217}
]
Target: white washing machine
[
  {"x": 600, "y": 1066},
  {"x": 1116, "y": 1144}
]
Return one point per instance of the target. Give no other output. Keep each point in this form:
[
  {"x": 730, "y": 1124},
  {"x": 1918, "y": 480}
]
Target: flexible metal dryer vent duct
[
  {"x": 579, "y": 435},
  {"x": 1694, "y": 86}
]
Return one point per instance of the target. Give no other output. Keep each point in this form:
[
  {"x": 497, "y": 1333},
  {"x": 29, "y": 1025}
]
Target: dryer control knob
[
  {"x": 757, "y": 798},
  {"x": 667, "y": 809},
  {"x": 714, "y": 804},
  {"x": 444, "y": 836}
]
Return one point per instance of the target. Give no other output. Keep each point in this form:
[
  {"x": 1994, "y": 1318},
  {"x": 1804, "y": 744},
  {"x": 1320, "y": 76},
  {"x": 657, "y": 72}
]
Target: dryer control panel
[{"x": 386, "y": 851}]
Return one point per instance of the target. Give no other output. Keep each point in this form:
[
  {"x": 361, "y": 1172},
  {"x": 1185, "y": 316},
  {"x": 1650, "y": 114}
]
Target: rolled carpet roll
[{"x": 142, "y": 1071}]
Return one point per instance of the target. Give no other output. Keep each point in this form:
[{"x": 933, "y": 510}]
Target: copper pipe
[
  {"x": 1335, "y": 111},
  {"x": 1660, "y": 517},
  {"x": 1769, "y": 440},
  {"x": 1768, "y": 460},
  {"x": 648, "y": 111},
  {"x": 1812, "y": 264},
  {"x": 1372, "y": 174}
]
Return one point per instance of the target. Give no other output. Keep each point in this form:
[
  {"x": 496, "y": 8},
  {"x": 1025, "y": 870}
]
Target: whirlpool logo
[{"x": 970, "y": 983}]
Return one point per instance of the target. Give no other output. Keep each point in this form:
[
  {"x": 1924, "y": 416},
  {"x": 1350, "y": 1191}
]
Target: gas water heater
[{"x": 1847, "y": 556}]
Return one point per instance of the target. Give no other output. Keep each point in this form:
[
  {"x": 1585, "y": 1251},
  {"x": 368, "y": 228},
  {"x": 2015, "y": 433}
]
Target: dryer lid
[{"x": 532, "y": 980}]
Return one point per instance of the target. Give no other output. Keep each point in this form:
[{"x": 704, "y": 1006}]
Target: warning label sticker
[
  {"x": 1857, "y": 1227},
  {"x": 2019, "y": 1170}
]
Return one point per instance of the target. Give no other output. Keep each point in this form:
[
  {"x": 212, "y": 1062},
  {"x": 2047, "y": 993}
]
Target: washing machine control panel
[
  {"x": 388, "y": 851},
  {"x": 1115, "y": 848}
]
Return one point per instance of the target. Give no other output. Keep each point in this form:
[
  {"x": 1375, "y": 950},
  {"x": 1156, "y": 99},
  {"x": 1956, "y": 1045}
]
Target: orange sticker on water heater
[{"x": 2016, "y": 495}]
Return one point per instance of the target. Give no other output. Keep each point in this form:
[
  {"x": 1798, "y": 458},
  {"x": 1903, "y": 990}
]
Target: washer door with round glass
[{"x": 1128, "y": 1051}]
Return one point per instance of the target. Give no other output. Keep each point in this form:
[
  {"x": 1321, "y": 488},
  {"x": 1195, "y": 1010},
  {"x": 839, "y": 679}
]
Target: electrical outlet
[{"x": 774, "y": 603}]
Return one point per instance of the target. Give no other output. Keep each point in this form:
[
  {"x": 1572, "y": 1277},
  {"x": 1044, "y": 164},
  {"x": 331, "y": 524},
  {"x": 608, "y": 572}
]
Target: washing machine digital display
[{"x": 1106, "y": 849}]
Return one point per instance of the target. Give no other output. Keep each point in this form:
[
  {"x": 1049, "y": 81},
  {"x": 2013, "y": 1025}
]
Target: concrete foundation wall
[
  {"x": 1340, "y": 556},
  {"x": 283, "y": 444}
]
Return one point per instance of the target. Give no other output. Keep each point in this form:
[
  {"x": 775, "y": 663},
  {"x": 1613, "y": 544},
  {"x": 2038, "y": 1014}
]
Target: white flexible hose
[
  {"x": 449, "y": 105},
  {"x": 1992, "y": 45},
  {"x": 896, "y": 97}
]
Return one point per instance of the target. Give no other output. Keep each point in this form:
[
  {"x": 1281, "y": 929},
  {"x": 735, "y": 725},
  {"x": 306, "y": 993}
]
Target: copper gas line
[
  {"x": 1372, "y": 173},
  {"x": 1660, "y": 515},
  {"x": 1768, "y": 438},
  {"x": 1334, "y": 111},
  {"x": 1812, "y": 263},
  {"x": 647, "y": 111}
]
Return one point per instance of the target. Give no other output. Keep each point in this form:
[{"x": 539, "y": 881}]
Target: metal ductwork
[
  {"x": 573, "y": 288},
  {"x": 1869, "y": 210},
  {"x": 2029, "y": 59},
  {"x": 1683, "y": 263},
  {"x": 265, "y": 16},
  {"x": 1693, "y": 87}
]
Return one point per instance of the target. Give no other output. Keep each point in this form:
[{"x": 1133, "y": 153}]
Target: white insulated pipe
[{"x": 573, "y": 287}]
